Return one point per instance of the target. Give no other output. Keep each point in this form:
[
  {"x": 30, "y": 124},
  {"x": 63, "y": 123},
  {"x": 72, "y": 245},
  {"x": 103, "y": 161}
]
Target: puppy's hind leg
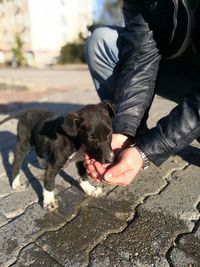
[
  {"x": 19, "y": 155},
  {"x": 22, "y": 147},
  {"x": 49, "y": 201}
]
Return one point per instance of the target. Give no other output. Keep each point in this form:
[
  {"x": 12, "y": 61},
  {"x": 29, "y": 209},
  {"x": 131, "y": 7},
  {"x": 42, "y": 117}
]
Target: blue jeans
[
  {"x": 175, "y": 78},
  {"x": 102, "y": 56}
]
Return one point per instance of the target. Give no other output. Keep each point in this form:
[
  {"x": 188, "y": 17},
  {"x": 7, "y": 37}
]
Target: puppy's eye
[{"x": 92, "y": 138}]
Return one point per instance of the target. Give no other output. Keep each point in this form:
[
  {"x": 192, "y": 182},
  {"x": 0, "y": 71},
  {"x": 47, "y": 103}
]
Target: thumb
[{"x": 115, "y": 171}]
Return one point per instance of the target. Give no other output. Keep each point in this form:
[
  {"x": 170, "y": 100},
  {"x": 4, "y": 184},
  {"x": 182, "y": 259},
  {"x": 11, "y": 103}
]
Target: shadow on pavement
[{"x": 14, "y": 107}]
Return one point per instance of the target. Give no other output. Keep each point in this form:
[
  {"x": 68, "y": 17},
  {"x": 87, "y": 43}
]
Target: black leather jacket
[{"x": 153, "y": 30}]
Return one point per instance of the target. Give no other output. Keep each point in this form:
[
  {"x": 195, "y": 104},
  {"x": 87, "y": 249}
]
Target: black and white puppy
[{"x": 56, "y": 140}]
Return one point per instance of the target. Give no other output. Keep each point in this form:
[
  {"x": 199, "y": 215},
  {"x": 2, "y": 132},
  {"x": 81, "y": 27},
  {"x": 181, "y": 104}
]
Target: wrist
[
  {"x": 146, "y": 161},
  {"x": 121, "y": 140}
]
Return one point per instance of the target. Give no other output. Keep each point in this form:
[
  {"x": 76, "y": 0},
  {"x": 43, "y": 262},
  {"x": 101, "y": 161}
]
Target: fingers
[
  {"x": 86, "y": 156},
  {"x": 123, "y": 179},
  {"x": 99, "y": 168},
  {"x": 94, "y": 169},
  {"x": 116, "y": 170},
  {"x": 89, "y": 167},
  {"x": 122, "y": 173}
]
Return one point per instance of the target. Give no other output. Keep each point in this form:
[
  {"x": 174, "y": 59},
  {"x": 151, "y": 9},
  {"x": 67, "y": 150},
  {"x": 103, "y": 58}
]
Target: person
[{"x": 125, "y": 63}]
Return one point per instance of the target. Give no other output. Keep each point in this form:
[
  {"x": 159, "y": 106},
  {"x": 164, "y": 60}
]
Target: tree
[
  {"x": 72, "y": 53},
  {"x": 19, "y": 59}
]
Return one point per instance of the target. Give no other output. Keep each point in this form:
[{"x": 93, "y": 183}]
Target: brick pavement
[{"x": 152, "y": 222}]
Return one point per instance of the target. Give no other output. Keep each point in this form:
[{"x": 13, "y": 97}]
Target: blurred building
[{"x": 43, "y": 25}]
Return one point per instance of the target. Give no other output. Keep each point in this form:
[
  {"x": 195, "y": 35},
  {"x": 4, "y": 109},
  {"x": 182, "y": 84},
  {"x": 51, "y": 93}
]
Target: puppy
[{"x": 57, "y": 139}]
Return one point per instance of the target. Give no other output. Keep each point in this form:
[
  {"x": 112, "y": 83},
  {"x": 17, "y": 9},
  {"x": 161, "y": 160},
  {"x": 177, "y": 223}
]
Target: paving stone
[
  {"x": 62, "y": 179},
  {"x": 181, "y": 258},
  {"x": 143, "y": 243},
  {"x": 20, "y": 232},
  {"x": 33, "y": 193},
  {"x": 193, "y": 239},
  {"x": 71, "y": 244},
  {"x": 180, "y": 198},
  {"x": 34, "y": 256},
  {"x": 6, "y": 159},
  {"x": 176, "y": 204},
  {"x": 34, "y": 222},
  {"x": 16, "y": 203},
  {"x": 5, "y": 188},
  {"x": 123, "y": 201},
  {"x": 153, "y": 231},
  {"x": 187, "y": 249},
  {"x": 3, "y": 220}
]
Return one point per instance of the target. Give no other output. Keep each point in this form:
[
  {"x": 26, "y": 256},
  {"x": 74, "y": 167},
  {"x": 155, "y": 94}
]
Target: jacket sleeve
[
  {"x": 173, "y": 132},
  {"x": 139, "y": 62}
]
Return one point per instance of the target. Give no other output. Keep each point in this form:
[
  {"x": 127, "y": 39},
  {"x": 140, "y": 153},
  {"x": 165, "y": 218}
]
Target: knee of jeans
[{"x": 96, "y": 42}]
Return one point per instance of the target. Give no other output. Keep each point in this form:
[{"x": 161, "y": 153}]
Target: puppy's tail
[{"x": 10, "y": 118}]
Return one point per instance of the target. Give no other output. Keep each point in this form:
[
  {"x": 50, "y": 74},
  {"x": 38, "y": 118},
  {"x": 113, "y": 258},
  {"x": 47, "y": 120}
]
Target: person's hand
[
  {"x": 123, "y": 172},
  {"x": 119, "y": 142}
]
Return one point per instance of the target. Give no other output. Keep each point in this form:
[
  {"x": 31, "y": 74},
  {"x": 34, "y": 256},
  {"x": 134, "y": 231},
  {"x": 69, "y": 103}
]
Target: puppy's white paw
[
  {"x": 97, "y": 192},
  {"x": 17, "y": 186},
  {"x": 51, "y": 206},
  {"x": 49, "y": 202},
  {"x": 91, "y": 190}
]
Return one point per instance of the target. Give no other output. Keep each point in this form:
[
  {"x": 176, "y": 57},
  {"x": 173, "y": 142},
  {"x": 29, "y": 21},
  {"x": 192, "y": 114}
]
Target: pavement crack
[
  {"x": 44, "y": 231},
  {"x": 166, "y": 180},
  {"x": 72, "y": 217},
  {"x": 36, "y": 245},
  {"x": 18, "y": 254},
  {"x": 103, "y": 236},
  {"x": 171, "y": 172},
  {"x": 178, "y": 238},
  {"x": 49, "y": 255}
]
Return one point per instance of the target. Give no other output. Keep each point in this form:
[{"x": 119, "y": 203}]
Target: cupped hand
[
  {"x": 119, "y": 142},
  {"x": 122, "y": 172},
  {"x": 125, "y": 170}
]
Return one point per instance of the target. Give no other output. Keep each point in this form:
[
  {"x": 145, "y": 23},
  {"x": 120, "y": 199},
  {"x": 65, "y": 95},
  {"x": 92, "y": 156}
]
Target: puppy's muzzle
[{"x": 110, "y": 158}]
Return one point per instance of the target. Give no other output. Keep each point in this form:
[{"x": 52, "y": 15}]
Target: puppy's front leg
[
  {"x": 86, "y": 184},
  {"x": 49, "y": 201}
]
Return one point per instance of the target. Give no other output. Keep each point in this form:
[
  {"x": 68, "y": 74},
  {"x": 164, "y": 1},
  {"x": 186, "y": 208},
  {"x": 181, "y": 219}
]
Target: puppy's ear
[
  {"x": 71, "y": 124},
  {"x": 107, "y": 104}
]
